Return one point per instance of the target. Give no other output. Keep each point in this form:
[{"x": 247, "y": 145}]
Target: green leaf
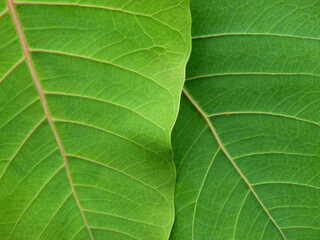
[
  {"x": 89, "y": 93},
  {"x": 246, "y": 143}
]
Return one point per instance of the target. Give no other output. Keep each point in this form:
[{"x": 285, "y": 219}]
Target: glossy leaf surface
[
  {"x": 246, "y": 143},
  {"x": 89, "y": 92}
]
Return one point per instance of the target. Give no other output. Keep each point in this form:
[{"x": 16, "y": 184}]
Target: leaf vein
[
  {"x": 34, "y": 198},
  {"x": 104, "y": 101},
  {"x": 231, "y": 160},
  {"x": 104, "y": 130},
  {"x": 200, "y": 190},
  {"x": 22, "y": 144},
  {"x": 53, "y": 216},
  {"x": 113, "y": 230},
  {"x": 115, "y": 169},
  {"x": 19, "y": 112},
  {"x": 4, "y": 12},
  {"x": 290, "y": 183},
  {"x": 14, "y": 66},
  {"x": 26, "y": 52},
  {"x": 256, "y": 34},
  {"x": 101, "y": 61},
  {"x": 266, "y": 113},
  {"x": 125, "y": 218},
  {"x": 254, "y": 73},
  {"x": 104, "y": 190},
  {"x": 238, "y": 215}
]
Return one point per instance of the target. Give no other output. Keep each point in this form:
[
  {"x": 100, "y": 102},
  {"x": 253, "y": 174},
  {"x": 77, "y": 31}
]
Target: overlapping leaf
[
  {"x": 246, "y": 142},
  {"x": 89, "y": 92}
]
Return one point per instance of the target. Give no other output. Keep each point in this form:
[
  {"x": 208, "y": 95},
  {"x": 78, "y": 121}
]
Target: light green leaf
[
  {"x": 247, "y": 140},
  {"x": 89, "y": 92}
]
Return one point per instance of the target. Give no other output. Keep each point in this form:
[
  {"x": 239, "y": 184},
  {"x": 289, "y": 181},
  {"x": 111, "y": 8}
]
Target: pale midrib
[
  {"x": 230, "y": 159},
  {"x": 37, "y": 84}
]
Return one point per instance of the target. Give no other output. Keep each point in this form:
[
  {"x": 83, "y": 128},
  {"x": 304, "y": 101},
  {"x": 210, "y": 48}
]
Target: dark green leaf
[{"x": 247, "y": 139}]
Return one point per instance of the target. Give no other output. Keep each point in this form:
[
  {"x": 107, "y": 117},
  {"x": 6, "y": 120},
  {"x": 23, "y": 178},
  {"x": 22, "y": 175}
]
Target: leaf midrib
[
  {"x": 47, "y": 114},
  {"x": 222, "y": 147}
]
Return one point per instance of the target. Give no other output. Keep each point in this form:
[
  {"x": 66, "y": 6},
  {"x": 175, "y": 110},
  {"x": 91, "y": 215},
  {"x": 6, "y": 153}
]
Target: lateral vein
[
  {"x": 265, "y": 113},
  {"x": 11, "y": 70},
  {"x": 255, "y": 34},
  {"x": 253, "y": 73},
  {"x": 4, "y": 12},
  {"x": 200, "y": 190},
  {"x": 101, "y": 61}
]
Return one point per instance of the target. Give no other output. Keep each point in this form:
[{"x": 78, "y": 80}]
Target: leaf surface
[
  {"x": 246, "y": 143},
  {"x": 89, "y": 92}
]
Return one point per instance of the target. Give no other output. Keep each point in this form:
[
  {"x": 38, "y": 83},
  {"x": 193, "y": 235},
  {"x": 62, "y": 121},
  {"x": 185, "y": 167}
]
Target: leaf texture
[
  {"x": 89, "y": 92},
  {"x": 246, "y": 142}
]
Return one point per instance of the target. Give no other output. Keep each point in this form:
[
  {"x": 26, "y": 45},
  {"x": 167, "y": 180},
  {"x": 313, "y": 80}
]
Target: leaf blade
[
  {"x": 251, "y": 74},
  {"x": 112, "y": 116}
]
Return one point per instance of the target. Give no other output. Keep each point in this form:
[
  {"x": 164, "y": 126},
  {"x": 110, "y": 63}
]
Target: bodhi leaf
[
  {"x": 246, "y": 142},
  {"x": 89, "y": 93}
]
